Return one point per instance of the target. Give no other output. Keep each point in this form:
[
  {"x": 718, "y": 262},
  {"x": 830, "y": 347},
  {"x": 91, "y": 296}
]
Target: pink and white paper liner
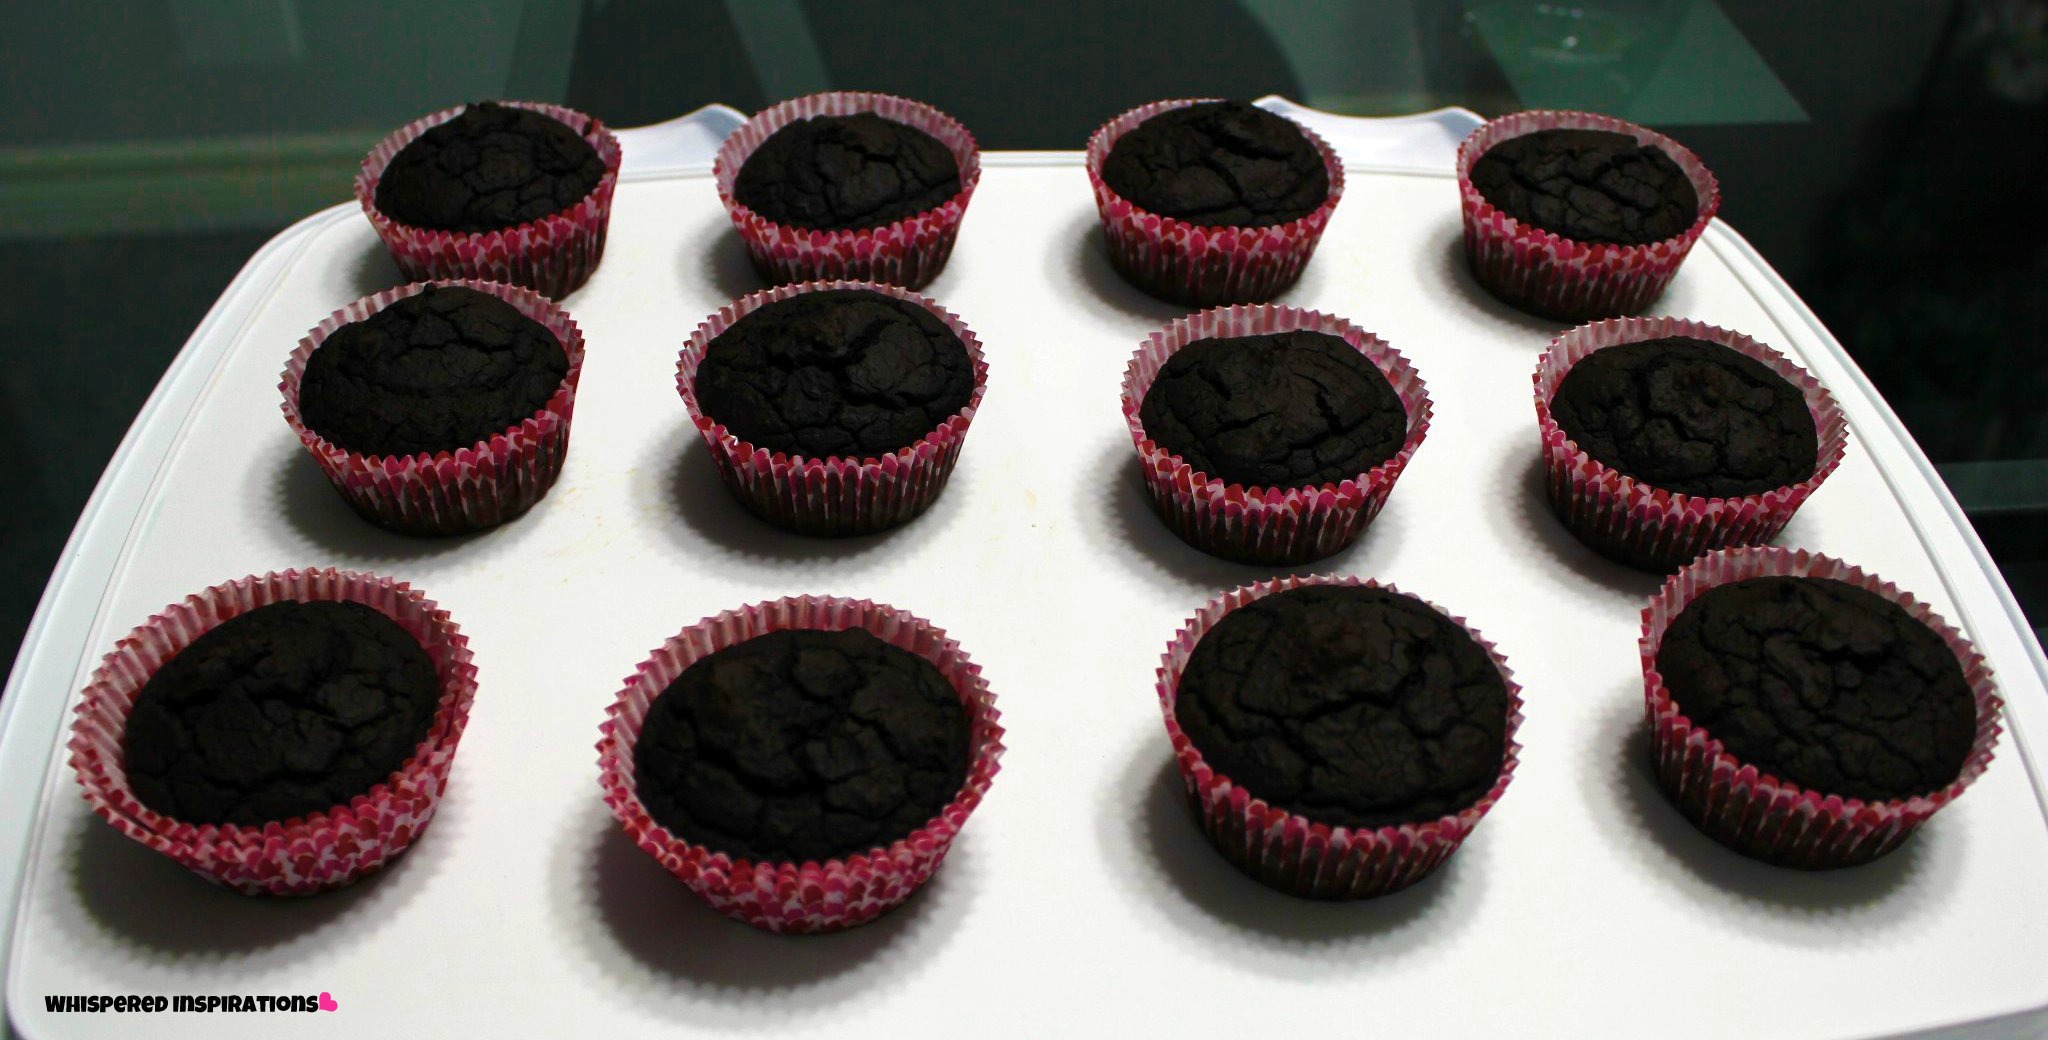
[
  {"x": 809, "y": 896},
  {"x": 1642, "y": 526},
  {"x": 1556, "y": 277},
  {"x": 448, "y": 492},
  {"x": 831, "y": 496},
  {"x": 1196, "y": 265},
  {"x": 303, "y": 855},
  {"x": 1291, "y": 852},
  {"x": 552, "y": 256},
  {"x": 1752, "y": 811},
  {"x": 1267, "y": 525},
  {"x": 909, "y": 252}
]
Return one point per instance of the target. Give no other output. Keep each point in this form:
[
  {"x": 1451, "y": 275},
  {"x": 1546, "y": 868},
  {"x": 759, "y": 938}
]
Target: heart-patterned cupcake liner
[
  {"x": 552, "y": 256},
  {"x": 448, "y": 492},
  {"x": 1196, "y": 265},
  {"x": 1760, "y": 815},
  {"x": 1267, "y": 525},
  {"x": 809, "y": 896},
  {"x": 303, "y": 855},
  {"x": 1633, "y": 523},
  {"x": 1291, "y": 852},
  {"x": 1556, "y": 277},
  {"x": 909, "y": 252},
  {"x": 831, "y": 496}
]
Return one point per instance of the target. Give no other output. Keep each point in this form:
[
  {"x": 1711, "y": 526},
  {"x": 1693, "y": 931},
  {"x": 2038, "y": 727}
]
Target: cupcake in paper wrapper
[
  {"x": 1267, "y": 525},
  {"x": 448, "y": 492},
  {"x": 810, "y": 896},
  {"x": 1752, "y": 811},
  {"x": 839, "y": 495},
  {"x": 1631, "y": 522},
  {"x": 1290, "y": 852},
  {"x": 552, "y": 256},
  {"x": 302, "y": 855},
  {"x": 1556, "y": 277},
  {"x": 909, "y": 252},
  {"x": 1196, "y": 265}
]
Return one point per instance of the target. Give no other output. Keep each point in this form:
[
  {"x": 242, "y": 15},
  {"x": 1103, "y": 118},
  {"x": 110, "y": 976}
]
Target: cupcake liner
[
  {"x": 552, "y": 256},
  {"x": 302, "y": 855},
  {"x": 909, "y": 252},
  {"x": 1642, "y": 526},
  {"x": 1553, "y": 276},
  {"x": 448, "y": 492},
  {"x": 1752, "y": 811},
  {"x": 1267, "y": 525},
  {"x": 1196, "y": 265},
  {"x": 809, "y": 896},
  {"x": 830, "y": 496},
  {"x": 1293, "y": 853}
]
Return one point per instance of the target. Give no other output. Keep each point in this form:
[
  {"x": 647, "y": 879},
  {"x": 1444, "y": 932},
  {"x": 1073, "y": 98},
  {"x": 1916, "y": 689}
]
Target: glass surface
[{"x": 1889, "y": 159}]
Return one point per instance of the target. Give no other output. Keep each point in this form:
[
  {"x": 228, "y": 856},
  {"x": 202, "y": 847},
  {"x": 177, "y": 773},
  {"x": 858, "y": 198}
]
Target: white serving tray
[{"x": 1081, "y": 898}]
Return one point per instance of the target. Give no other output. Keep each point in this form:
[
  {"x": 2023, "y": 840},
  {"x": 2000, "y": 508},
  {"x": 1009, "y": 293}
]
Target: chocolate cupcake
[
  {"x": 840, "y": 173},
  {"x": 1805, "y": 713},
  {"x": 802, "y": 746},
  {"x": 1338, "y": 739},
  {"x": 1206, "y": 201},
  {"x": 438, "y": 408},
  {"x": 1271, "y": 434},
  {"x": 1219, "y": 164},
  {"x": 279, "y": 713},
  {"x": 1284, "y": 409},
  {"x": 833, "y": 408},
  {"x": 280, "y": 734},
  {"x": 803, "y": 765},
  {"x": 848, "y": 185},
  {"x": 1572, "y": 215},
  {"x": 1665, "y": 438},
  {"x": 512, "y": 192}
]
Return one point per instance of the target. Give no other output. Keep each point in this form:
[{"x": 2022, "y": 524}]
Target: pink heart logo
[{"x": 327, "y": 1002}]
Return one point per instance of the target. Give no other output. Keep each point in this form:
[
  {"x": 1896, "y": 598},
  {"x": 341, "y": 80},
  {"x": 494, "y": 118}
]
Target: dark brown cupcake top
[
  {"x": 802, "y": 745},
  {"x": 1588, "y": 186},
  {"x": 846, "y": 172},
  {"x": 1219, "y": 164},
  {"x": 1352, "y": 706},
  {"x": 849, "y": 373},
  {"x": 1689, "y": 416},
  {"x": 1824, "y": 684},
  {"x": 437, "y": 371},
  {"x": 494, "y": 166},
  {"x": 280, "y": 712}
]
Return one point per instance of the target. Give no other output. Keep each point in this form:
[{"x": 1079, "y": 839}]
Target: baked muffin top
[
  {"x": 1352, "y": 706},
  {"x": 283, "y": 711},
  {"x": 1588, "y": 186},
  {"x": 802, "y": 745},
  {"x": 1219, "y": 164},
  {"x": 493, "y": 166}
]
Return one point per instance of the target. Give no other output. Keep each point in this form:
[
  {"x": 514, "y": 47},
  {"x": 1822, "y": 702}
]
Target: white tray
[{"x": 1081, "y": 898}]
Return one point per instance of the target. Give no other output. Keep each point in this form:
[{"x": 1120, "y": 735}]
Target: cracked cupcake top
[
  {"x": 1824, "y": 684},
  {"x": 1219, "y": 164},
  {"x": 1355, "y": 707},
  {"x": 802, "y": 745},
  {"x": 289, "y": 709},
  {"x": 1588, "y": 186},
  {"x": 1688, "y": 416},
  {"x": 847, "y": 373},
  {"x": 491, "y": 167},
  {"x": 846, "y": 172},
  {"x": 1283, "y": 409},
  {"x": 437, "y": 371}
]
